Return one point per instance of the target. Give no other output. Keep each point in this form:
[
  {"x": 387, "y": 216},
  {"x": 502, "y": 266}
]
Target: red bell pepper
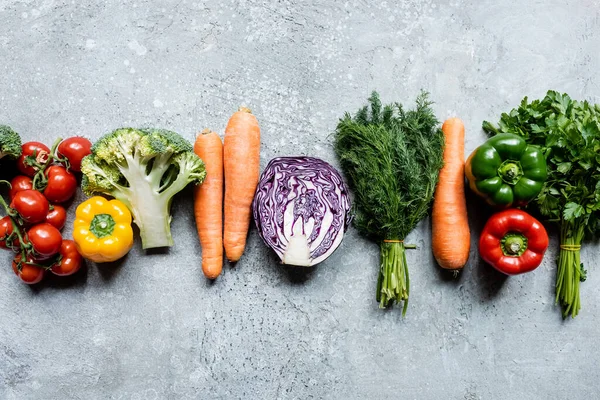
[{"x": 513, "y": 242}]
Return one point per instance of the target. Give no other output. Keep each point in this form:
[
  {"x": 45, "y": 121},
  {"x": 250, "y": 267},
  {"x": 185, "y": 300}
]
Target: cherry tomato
[
  {"x": 70, "y": 259},
  {"x": 61, "y": 184},
  {"x": 57, "y": 216},
  {"x": 45, "y": 240},
  {"x": 18, "y": 184},
  {"x": 6, "y": 228},
  {"x": 29, "y": 274},
  {"x": 74, "y": 149},
  {"x": 39, "y": 151},
  {"x": 31, "y": 205}
]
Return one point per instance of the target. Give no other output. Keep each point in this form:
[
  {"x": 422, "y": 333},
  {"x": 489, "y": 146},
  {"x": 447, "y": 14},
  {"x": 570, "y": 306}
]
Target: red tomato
[
  {"x": 29, "y": 274},
  {"x": 36, "y": 151},
  {"x": 57, "y": 216},
  {"x": 6, "y": 228},
  {"x": 70, "y": 259},
  {"x": 45, "y": 240},
  {"x": 31, "y": 205},
  {"x": 74, "y": 149},
  {"x": 18, "y": 184},
  {"x": 61, "y": 184}
]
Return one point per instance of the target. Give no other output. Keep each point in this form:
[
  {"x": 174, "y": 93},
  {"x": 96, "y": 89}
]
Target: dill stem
[{"x": 393, "y": 282}]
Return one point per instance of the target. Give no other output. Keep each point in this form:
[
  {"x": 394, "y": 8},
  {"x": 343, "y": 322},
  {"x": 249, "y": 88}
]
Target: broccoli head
[
  {"x": 10, "y": 143},
  {"x": 143, "y": 168}
]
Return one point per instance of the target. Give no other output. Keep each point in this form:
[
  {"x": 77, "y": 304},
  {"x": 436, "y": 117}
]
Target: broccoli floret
[
  {"x": 143, "y": 168},
  {"x": 10, "y": 143}
]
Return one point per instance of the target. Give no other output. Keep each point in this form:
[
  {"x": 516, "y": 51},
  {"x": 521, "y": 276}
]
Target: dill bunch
[{"x": 391, "y": 158}]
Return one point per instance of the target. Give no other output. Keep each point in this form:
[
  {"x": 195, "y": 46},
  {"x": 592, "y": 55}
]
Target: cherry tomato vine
[{"x": 34, "y": 214}]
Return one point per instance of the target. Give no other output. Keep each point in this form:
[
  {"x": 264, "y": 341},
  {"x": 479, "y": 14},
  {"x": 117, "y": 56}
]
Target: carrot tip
[
  {"x": 205, "y": 131},
  {"x": 245, "y": 109}
]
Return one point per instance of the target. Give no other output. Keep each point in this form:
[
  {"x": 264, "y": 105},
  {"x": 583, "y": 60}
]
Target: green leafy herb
[
  {"x": 569, "y": 133},
  {"x": 392, "y": 158}
]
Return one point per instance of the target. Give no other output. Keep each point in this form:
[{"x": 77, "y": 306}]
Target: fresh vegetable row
[
  {"x": 545, "y": 155},
  {"x": 399, "y": 164},
  {"x": 148, "y": 168}
]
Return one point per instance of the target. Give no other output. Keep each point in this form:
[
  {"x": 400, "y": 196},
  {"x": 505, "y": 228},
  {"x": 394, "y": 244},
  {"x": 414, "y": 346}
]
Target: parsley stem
[{"x": 569, "y": 272}]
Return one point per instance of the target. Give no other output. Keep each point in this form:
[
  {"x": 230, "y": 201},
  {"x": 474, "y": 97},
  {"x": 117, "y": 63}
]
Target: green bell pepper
[{"x": 506, "y": 171}]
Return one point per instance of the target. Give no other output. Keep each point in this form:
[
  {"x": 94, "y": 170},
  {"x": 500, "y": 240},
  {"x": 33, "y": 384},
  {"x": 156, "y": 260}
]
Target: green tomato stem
[
  {"x": 16, "y": 227},
  {"x": 40, "y": 181},
  {"x": 3, "y": 203}
]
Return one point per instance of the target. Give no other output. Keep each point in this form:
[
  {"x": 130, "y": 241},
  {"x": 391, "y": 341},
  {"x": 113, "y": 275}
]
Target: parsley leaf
[{"x": 572, "y": 211}]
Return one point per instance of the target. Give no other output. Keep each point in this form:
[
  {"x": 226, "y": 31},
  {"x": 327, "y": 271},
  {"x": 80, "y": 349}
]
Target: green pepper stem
[{"x": 510, "y": 171}]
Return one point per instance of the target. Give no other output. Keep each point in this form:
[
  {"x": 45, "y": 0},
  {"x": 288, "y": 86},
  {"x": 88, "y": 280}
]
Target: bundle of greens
[
  {"x": 569, "y": 133},
  {"x": 391, "y": 158}
]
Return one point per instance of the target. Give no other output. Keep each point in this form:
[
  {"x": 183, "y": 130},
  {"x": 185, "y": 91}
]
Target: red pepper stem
[{"x": 513, "y": 244}]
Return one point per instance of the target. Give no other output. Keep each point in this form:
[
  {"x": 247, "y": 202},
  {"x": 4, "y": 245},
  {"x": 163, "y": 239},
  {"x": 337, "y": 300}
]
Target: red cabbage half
[{"x": 301, "y": 209}]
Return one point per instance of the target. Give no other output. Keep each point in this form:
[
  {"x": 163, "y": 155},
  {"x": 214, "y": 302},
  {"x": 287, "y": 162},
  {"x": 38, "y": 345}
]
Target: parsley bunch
[
  {"x": 391, "y": 158},
  {"x": 568, "y": 131}
]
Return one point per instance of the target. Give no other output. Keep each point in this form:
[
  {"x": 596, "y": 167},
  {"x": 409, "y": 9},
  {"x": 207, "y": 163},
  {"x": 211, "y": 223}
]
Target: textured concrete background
[{"x": 152, "y": 327}]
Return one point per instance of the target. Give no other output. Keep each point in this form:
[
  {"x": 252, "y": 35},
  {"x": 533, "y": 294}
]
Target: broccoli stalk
[
  {"x": 144, "y": 169},
  {"x": 10, "y": 143}
]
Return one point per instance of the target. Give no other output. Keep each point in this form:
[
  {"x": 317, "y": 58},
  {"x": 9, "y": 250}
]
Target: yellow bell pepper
[{"x": 102, "y": 229}]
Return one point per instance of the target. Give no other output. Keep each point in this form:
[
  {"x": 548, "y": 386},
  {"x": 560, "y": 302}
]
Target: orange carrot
[
  {"x": 241, "y": 151},
  {"x": 208, "y": 203},
  {"x": 451, "y": 238}
]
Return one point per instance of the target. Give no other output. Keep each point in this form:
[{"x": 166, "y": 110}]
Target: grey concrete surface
[{"x": 152, "y": 327}]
